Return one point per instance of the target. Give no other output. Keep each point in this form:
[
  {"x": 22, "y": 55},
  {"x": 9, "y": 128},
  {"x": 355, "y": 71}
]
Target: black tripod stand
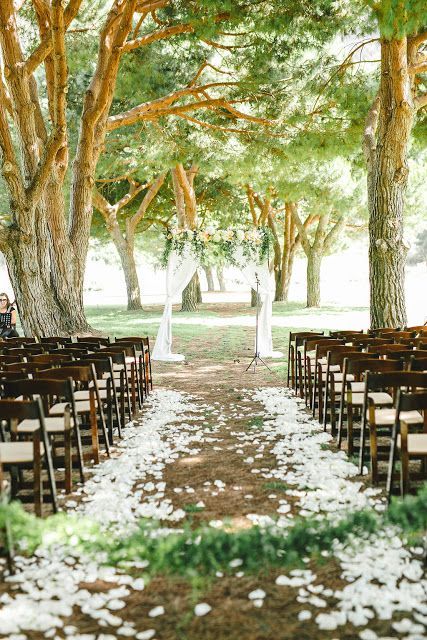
[{"x": 257, "y": 360}]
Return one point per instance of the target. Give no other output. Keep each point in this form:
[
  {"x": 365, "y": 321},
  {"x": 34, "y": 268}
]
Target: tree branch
[
  {"x": 334, "y": 233},
  {"x": 302, "y": 232},
  {"x": 147, "y": 200},
  {"x": 421, "y": 101},
  {"x": 155, "y": 36},
  {"x": 45, "y": 47}
]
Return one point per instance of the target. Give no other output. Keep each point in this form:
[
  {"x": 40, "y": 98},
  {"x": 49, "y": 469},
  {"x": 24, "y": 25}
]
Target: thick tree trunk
[
  {"x": 387, "y": 182},
  {"x": 44, "y": 308},
  {"x": 221, "y": 279},
  {"x": 190, "y": 294},
  {"x": 199, "y": 289},
  {"x": 314, "y": 260},
  {"x": 283, "y": 282},
  {"x": 126, "y": 249},
  {"x": 210, "y": 278}
]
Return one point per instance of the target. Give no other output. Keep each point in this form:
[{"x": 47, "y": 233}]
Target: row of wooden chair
[
  {"x": 56, "y": 397},
  {"x": 349, "y": 374}
]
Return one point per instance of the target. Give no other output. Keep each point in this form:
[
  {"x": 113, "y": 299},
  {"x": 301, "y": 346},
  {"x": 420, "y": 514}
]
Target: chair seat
[
  {"x": 386, "y": 417},
  {"x": 84, "y": 394},
  {"x": 417, "y": 444},
  {"x": 17, "y": 452},
  {"x": 53, "y": 425},
  {"x": 379, "y": 397},
  {"x": 82, "y": 406},
  {"x": 102, "y": 384},
  {"x": 356, "y": 387}
]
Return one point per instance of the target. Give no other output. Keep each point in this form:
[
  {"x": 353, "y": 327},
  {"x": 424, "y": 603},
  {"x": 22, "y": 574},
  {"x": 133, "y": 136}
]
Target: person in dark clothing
[{"x": 7, "y": 317}]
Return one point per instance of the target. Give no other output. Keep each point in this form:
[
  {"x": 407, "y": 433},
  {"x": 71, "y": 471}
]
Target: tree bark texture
[
  {"x": 387, "y": 138},
  {"x": 314, "y": 261},
  {"x": 190, "y": 295},
  {"x": 210, "y": 278},
  {"x": 221, "y": 279}
]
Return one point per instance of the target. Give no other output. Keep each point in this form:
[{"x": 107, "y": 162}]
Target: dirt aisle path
[{"x": 229, "y": 450}]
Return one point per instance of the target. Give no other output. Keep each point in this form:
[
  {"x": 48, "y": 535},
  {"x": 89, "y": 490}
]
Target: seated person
[{"x": 7, "y": 317}]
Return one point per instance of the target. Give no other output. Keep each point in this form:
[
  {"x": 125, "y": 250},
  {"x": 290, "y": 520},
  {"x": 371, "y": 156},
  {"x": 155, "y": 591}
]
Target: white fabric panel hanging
[
  {"x": 250, "y": 271},
  {"x": 179, "y": 271}
]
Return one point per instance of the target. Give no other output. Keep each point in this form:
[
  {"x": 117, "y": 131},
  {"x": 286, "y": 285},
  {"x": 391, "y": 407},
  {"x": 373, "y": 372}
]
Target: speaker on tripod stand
[{"x": 257, "y": 360}]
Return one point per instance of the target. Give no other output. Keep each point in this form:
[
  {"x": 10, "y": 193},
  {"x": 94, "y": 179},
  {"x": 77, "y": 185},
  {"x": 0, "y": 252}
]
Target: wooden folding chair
[
  {"x": 120, "y": 355},
  {"x": 353, "y": 390},
  {"x": 379, "y": 419},
  {"x": 143, "y": 352},
  {"x": 409, "y": 445},
  {"x": 100, "y": 342},
  {"x": 65, "y": 427},
  {"x": 107, "y": 385},
  {"x": 315, "y": 367},
  {"x": 295, "y": 341},
  {"x": 347, "y": 334},
  {"x": 84, "y": 377},
  {"x": 21, "y": 455},
  {"x": 332, "y": 379},
  {"x": 58, "y": 340}
]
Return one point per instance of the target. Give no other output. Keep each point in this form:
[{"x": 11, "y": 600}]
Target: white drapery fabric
[
  {"x": 180, "y": 270},
  {"x": 251, "y": 272}
]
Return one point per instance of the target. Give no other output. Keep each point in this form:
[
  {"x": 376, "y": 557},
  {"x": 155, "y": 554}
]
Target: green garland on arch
[{"x": 255, "y": 244}]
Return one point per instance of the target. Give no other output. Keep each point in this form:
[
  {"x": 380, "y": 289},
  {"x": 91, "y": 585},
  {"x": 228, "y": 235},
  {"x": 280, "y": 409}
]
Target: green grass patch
[
  {"x": 205, "y": 550},
  {"x": 192, "y": 508},
  {"x": 256, "y": 423},
  {"x": 276, "y": 485}
]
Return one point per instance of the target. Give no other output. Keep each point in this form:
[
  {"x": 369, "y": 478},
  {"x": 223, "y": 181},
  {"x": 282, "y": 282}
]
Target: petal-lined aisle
[{"x": 231, "y": 459}]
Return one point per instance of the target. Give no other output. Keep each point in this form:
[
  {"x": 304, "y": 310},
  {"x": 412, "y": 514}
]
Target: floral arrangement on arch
[{"x": 210, "y": 242}]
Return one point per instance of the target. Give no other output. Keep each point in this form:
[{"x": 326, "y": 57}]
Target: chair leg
[
  {"x": 133, "y": 388},
  {"x": 391, "y": 463},
  {"x": 78, "y": 438},
  {"x": 333, "y": 417},
  {"x": 326, "y": 405},
  {"x": 102, "y": 418},
  {"x": 350, "y": 435},
  {"x": 50, "y": 474},
  {"x": 94, "y": 429},
  {"x": 374, "y": 453},
  {"x": 37, "y": 473},
  {"x": 362, "y": 445},
  {"x": 68, "y": 461},
  {"x": 340, "y": 419},
  {"x": 404, "y": 471}
]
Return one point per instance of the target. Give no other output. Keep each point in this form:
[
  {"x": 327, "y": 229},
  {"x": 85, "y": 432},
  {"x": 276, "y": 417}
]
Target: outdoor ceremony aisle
[{"x": 218, "y": 451}]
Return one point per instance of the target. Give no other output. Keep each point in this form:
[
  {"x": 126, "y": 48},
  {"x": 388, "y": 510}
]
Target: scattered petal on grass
[{"x": 202, "y": 609}]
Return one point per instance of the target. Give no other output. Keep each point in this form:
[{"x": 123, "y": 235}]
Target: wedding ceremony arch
[{"x": 185, "y": 251}]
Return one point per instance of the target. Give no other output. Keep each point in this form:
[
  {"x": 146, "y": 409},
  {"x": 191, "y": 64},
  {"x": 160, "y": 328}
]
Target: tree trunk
[
  {"x": 210, "y": 278},
  {"x": 190, "y": 294},
  {"x": 314, "y": 260},
  {"x": 221, "y": 279},
  {"x": 199, "y": 289},
  {"x": 387, "y": 182},
  {"x": 44, "y": 308}
]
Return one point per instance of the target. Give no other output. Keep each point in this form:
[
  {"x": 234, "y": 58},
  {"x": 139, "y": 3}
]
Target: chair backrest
[
  {"x": 383, "y": 349},
  {"x": 418, "y": 364},
  {"x": 78, "y": 373},
  {"x": 24, "y": 367},
  {"x": 42, "y": 387},
  {"x": 50, "y": 358},
  {"x": 365, "y": 341},
  {"x": 310, "y": 344},
  {"x": 75, "y": 348},
  {"x": 20, "y": 409},
  {"x": 345, "y": 333},
  {"x": 102, "y": 363},
  {"x": 421, "y": 343},
  {"x": 357, "y": 367},
  {"x": 24, "y": 350},
  {"x": 323, "y": 348},
  {"x": 384, "y": 330},
  {"x": 299, "y": 336},
  {"x": 7, "y": 359},
  {"x": 396, "y": 335},
  {"x": 416, "y": 401},
  {"x": 94, "y": 340},
  {"x": 18, "y": 341},
  {"x": 395, "y": 379},
  {"x": 337, "y": 355},
  {"x": 118, "y": 353},
  {"x": 57, "y": 339}
]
